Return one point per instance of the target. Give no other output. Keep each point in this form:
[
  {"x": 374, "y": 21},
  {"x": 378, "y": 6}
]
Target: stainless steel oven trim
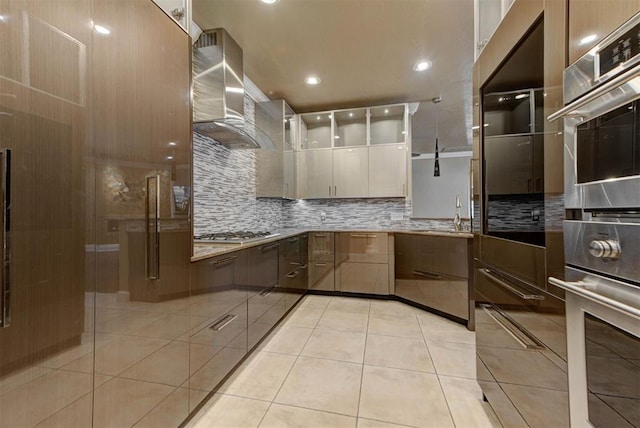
[
  {"x": 616, "y": 193},
  {"x": 613, "y": 294},
  {"x": 577, "y": 304}
]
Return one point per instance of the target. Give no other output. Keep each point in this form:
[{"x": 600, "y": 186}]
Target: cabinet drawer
[
  {"x": 371, "y": 278},
  {"x": 445, "y": 293},
  {"x": 439, "y": 254},
  {"x": 321, "y": 275},
  {"x": 263, "y": 266},
  {"x": 321, "y": 246},
  {"x": 368, "y": 247},
  {"x": 227, "y": 330}
]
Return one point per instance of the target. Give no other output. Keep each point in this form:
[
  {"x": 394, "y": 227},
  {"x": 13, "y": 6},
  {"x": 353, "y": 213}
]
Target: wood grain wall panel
[{"x": 598, "y": 17}]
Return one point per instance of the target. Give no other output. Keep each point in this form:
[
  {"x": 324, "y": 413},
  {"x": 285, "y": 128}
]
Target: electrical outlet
[{"x": 323, "y": 216}]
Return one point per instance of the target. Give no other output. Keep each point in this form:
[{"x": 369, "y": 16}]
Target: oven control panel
[
  {"x": 607, "y": 247},
  {"x": 622, "y": 49}
]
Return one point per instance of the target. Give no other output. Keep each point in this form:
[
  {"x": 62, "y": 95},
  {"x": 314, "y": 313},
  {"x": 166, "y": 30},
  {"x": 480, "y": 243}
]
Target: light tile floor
[{"x": 350, "y": 362}]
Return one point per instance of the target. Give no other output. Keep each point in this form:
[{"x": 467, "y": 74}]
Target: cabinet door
[
  {"x": 370, "y": 278},
  {"x": 321, "y": 275},
  {"x": 388, "y": 171},
  {"x": 509, "y": 162},
  {"x": 599, "y": 18},
  {"x": 315, "y": 176},
  {"x": 363, "y": 247},
  {"x": 321, "y": 246},
  {"x": 351, "y": 172}
]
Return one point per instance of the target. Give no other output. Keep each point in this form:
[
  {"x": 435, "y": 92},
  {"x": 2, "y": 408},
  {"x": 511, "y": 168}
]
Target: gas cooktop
[{"x": 238, "y": 237}]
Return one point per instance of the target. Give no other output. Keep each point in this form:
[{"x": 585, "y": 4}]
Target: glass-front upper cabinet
[
  {"x": 315, "y": 130},
  {"x": 388, "y": 124},
  {"x": 350, "y": 128},
  {"x": 289, "y": 127}
]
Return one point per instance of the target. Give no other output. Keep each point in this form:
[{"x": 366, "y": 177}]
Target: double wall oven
[{"x": 602, "y": 230}]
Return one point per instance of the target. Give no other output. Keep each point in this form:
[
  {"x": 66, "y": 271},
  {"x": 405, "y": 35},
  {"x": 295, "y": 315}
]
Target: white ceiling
[{"x": 362, "y": 50}]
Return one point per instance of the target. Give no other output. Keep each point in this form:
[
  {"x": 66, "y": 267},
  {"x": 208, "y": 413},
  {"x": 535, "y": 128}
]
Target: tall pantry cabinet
[{"x": 95, "y": 146}]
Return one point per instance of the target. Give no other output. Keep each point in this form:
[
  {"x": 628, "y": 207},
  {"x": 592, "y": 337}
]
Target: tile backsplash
[{"x": 224, "y": 200}]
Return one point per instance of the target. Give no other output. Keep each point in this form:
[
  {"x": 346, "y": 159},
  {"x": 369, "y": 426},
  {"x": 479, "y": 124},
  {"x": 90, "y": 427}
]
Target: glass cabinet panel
[
  {"x": 289, "y": 127},
  {"x": 508, "y": 113},
  {"x": 351, "y": 128},
  {"x": 388, "y": 125},
  {"x": 315, "y": 130}
]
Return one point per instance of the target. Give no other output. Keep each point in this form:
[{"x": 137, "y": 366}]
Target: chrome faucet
[{"x": 457, "y": 222}]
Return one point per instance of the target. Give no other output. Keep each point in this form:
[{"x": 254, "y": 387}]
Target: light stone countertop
[{"x": 203, "y": 250}]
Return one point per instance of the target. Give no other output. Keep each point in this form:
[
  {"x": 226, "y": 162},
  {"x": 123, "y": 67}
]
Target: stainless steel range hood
[{"x": 218, "y": 93}]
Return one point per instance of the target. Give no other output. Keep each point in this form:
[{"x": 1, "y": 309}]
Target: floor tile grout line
[
  {"x": 289, "y": 371},
  {"x": 437, "y": 375},
  {"x": 364, "y": 356}
]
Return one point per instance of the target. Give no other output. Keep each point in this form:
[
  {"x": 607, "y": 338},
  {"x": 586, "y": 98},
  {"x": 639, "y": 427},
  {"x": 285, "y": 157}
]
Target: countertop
[{"x": 203, "y": 251}]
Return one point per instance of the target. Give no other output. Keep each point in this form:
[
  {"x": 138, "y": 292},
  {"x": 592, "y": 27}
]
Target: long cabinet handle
[
  {"x": 515, "y": 330},
  {"x": 222, "y": 322},
  {"x": 509, "y": 287},
  {"x": 335, "y": 190},
  {"x": 224, "y": 261},
  {"x": 269, "y": 247},
  {"x": 320, "y": 264},
  {"x": 329, "y": 190},
  {"x": 320, "y": 235},
  {"x": 152, "y": 229},
  {"x": 293, "y": 274},
  {"x": 425, "y": 274},
  {"x": 5, "y": 288},
  {"x": 296, "y": 239},
  {"x": 358, "y": 235},
  {"x": 265, "y": 293}
]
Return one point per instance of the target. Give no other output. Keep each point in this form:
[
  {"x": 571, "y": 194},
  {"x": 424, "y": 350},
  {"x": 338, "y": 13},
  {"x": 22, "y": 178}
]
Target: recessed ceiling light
[
  {"x": 422, "y": 66},
  {"x": 329, "y": 116},
  {"x": 588, "y": 39},
  {"x": 350, "y": 114},
  {"x": 386, "y": 111},
  {"x": 318, "y": 117},
  {"x": 312, "y": 80},
  {"x": 102, "y": 30},
  {"x": 269, "y": 1}
]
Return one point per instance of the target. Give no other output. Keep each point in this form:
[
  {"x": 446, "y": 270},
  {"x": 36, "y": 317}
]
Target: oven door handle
[
  {"x": 571, "y": 109},
  {"x": 581, "y": 288},
  {"x": 510, "y": 288}
]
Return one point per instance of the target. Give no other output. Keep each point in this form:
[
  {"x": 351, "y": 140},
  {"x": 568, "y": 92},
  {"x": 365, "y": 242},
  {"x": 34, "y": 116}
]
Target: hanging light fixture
[{"x": 436, "y": 165}]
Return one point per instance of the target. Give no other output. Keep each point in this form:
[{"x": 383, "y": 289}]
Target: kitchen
[{"x": 113, "y": 315}]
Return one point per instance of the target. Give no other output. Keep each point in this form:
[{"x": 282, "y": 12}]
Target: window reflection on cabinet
[
  {"x": 315, "y": 130},
  {"x": 388, "y": 124},
  {"x": 350, "y": 128}
]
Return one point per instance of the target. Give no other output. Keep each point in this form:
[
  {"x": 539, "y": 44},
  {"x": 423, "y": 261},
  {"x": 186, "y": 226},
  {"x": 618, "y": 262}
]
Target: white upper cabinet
[
  {"x": 388, "y": 124},
  {"x": 388, "y": 171},
  {"x": 315, "y": 179},
  {"x": 363, "y": 152},
  {"x": 315, "y": 130},
  {"x": 351, "y": 172},
  {"x": 350, "y": 128}
]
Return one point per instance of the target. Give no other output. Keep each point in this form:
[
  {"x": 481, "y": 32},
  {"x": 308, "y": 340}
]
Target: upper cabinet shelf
[
  {"x": 514, "y": 112},
  {"x": 354, "y": 127}
]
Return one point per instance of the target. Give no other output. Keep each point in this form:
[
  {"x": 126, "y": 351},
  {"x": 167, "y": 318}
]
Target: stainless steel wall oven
[{"x": 602, "y": 230}]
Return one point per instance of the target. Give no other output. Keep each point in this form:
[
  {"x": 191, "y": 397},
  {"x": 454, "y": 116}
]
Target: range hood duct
[{"x": 218, "y": 93}]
